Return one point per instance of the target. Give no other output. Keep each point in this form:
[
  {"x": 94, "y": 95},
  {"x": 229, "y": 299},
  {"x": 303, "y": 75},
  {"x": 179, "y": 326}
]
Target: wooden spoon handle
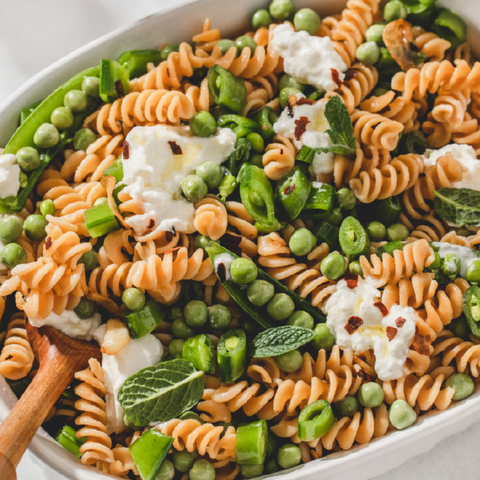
[{"x": 18, "y": 429}]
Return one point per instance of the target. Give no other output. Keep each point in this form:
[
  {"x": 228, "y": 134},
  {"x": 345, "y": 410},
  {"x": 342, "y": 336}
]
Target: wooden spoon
[{"x": 59, "y": 357}]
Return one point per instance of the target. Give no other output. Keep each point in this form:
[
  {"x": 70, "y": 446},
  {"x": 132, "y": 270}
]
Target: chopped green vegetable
[
  {"x": 135, "y": 61},
  {"x": 114, "y": 81},
  {"x": 67, "y": 438},
  {"x": 145, "y": 320},
  {"x": 100, "y": 221}
]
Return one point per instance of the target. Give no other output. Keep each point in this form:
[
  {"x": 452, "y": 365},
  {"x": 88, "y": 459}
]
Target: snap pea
[
  {"x": 227, "y": 187},
  {"x": 227, "y": 90},
  {"x": 292, "y": 193},
  {"x": 471, "y": 309},
  {"x": 265, "y": 119},
  {"x": 315, "y": 420},
  {"x": 385, "y": 211},
  {"x": 232, "y": 355},
  {"x": 241, "y": 126},
  {"x": 240, "y": 154},
  {"x": 353, "y": 238},
  {"x": 24, "y": 135},
  {"x": 306, "y": 155},
  {"x": 450, "y": 26},
  {"x": 327, "y": 233},
  {"x": 114, "y": 81},
  {"x": 251, "y": 443},
  {"x": 389, "y": 248},
  {"x": 67, "y": 438},
  {"x": 320, "y": 202},
  {"x": 146, "y": 319},
  {"x": 200, "y": 352},
  {"x": 135, "y": 61},
  {"x": 25, "y": 113}
]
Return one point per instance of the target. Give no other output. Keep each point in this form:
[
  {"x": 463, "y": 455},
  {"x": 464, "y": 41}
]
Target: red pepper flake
[
  {"x": 421, "y": 343},
  {"x": 366, "y": 376},
  {"x": 352, "y": 73},
  {"x": 119, "y": 88},
  {"x": 281, "y": 151},
  {"x": 152, "y": 223},
  {"x": 391, "y": 332},
  {"x": 222, "y": 272},
  {"x": 400, "y": 322},
  {"x": 352, "y": 280},
  {"x": 384, "y": 110},
  {"x": 306, "y": 101},
  {"x": 382, "y": 308},
  {"x": 353, "y": 324},
  {"x": 126, "y": 150},
  {"x": 336, "y": 77},
  {"x": 176, "y": 149},
  {"x": 290, "y": 111},
  {"x": 301, "y": 127},
  {"x": 48, "y": 242},
  {"x": 289, "y": 189}
]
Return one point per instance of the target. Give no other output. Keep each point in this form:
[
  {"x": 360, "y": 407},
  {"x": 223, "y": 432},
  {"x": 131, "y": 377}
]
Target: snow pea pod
[
  {"x": 292, "y": 192},
  {"x": 241, "y": 126},
  {"x": 240, "y": 155},
  {"x": 227, "y": 90},
  {"x": 25, "y": 113},
  {"x": 265, "y": 119},
  {"x": 23, "y": 137}
]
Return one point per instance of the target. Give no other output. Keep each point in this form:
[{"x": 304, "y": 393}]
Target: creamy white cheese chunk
[
  {"x": 9, "y": 176},
  {"x": 314, "y": 135},
  {"x": 359, "y": 324},
  {"x": 307, "y": 58},
  {"x": 226, "y": 259},
  {"x": 466, "y": 155},
  {"x": 159, "y": 158},
  {"x": 137, "y": 354},
  {"x": 70, "y": 324}
]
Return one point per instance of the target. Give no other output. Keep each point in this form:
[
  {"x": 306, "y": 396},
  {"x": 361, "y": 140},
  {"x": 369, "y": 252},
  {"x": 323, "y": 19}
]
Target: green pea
[
  {"x": 272, "y": 466},
  {"x": 462, "y": 384},
  {"x": 250, "y": 328},
  {"x": 290, "y": 361},
  {"x": 281, "y": 9},
  {"x": 225, "y": 46},
  {"x": 211, "y": 173},
  {"x": 76, "y": 100},
  {"x": 168, "y": 49},
  {"x": 378, "y": 92},
  {"x": 28, "y": 159},
  {"x": 183, "y": 461},
  {"x": 12, "y": 255},
  {"x": 460, "y": 328},
  {"x": 289, "y": 82},
  {"x": 376, "y": 231},
  {"x": 194, "y": 188},
  {"x": 280, "y": 307},
  {"x": 252, "y": 471},
  {"x": 374, "y": 34},
  {"x": 397, "y": 233},
  {"x": 11, "y": 228},
  {"x": 371, "y": 395},
  {"x": 245, "y": 42},
  {"x": 257, "y": 160},
  {"x": 91, "y": 86},
  {"x": 181, "y": 329},
  {"x": 394, "y": 10},
  {"x": 100, "y": 201},
  {"x": 289, "y": 455},
  {"x": 335, "y": 218},
  {"x": 260, "y": 292},
  {"x": 203, "y": 124},
  {"x": 201, "y": 241},
  {"x": 308, "y": 20},
  {"x": 333, "y": 266},
  {"x": 219, "y": 317},
  {"x": 257, "y": 142},
  {"x": 166, "y": 472},
  {"x": 302, "y": 242},
  {"x": 83, "y": 139},
  {"x": 324, "y": 339},
  {"x": 473, "y": 272},
  {"x": 46, "y": 136},
  {"x": 451, "y": 265},
  {"x": 47, "y": 207},
  {"x": 286, "y": 93},
  {"x": 401, "y": 414},
  {"x": 368, "y": 52},
  {"x": 261, "y": 18},
  {"x": 62, "y": 118},
  {"x": 347, "y": 407},
  {"x": 133, "y": 298},
  {"x": 174, "y": 313},
  {"x": 301, "y": 319},
  {"x": 85, "y": 309},
  {"x": 355, "y": 268},
  {"x": 34, "y": 227},
  {"x": 256, "y": 198},
  {"x": 196, "y": 313},
  {"x": 346, "y": 199},
  {"x": 23, "y": 179},
  {"x": 89, "y": 259},
  {"x": 243, "y": 271},
  {"x": 202, "y": 470}
]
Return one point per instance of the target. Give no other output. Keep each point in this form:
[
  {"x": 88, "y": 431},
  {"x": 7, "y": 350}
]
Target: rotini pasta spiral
[
  {"x": 211, "y": 217},
  {"x": 16, "y": 357},
  {"x": 430, "y": 44},
  {"x": 122, "y": 463},
  {"x": 279, "y": 157},
  {"x": 468, "y": 133},
  {"x": 241, "y": 231},
  {"x": 91, "y": 391}
]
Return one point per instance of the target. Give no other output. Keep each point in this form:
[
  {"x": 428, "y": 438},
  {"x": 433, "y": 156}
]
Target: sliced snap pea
[
  {"x": 226, "y": 89},
  {"x": 135, "y": 61},
  {"x": 114, "y": 81},
  {"x": 327, "y": 233},
  {"x": 353, "y": 238},
  {"x": 320, "y": 202},
  {"x": 471, "y": 309},
  {"x": 265, "y": 119},
  {"x": 450, "y": 26},
  {"x": 292, "y": 193}
]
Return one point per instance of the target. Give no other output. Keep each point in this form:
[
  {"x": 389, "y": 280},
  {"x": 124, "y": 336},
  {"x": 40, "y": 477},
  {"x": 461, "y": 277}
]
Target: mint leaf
[
  {"x": 160, "y": 393},
  {"x": 341, "y": 129},
  {"x": 460, "y": 206},
  {"x": 275, "y": 341}
]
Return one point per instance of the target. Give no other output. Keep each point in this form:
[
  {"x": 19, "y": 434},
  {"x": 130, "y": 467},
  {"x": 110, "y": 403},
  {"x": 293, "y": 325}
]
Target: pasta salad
[{"x": 274, "y": 240}]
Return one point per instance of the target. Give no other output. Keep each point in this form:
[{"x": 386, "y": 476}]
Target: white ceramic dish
[{"x": 175, "y": 25}]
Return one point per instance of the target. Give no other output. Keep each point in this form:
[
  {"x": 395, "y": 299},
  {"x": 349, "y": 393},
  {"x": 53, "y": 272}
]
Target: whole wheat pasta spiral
[
  {"x": 92, "y": 391},
  {"x": 16, "y": 357},
  {"x": 279, "y": 157},
  {"x": 191, "y": 435},
  {"x": 210, "y": 217}
]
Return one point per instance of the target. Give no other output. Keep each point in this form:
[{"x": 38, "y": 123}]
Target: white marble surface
[{"x": 35, "y": 33}]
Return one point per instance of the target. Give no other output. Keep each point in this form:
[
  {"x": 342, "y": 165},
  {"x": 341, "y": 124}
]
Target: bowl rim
[{"x": 46, "y": 450}]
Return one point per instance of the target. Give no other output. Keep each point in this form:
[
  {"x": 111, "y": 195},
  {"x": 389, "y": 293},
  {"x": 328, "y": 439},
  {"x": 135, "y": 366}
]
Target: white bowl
[{"x": 176, "y": 25}]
